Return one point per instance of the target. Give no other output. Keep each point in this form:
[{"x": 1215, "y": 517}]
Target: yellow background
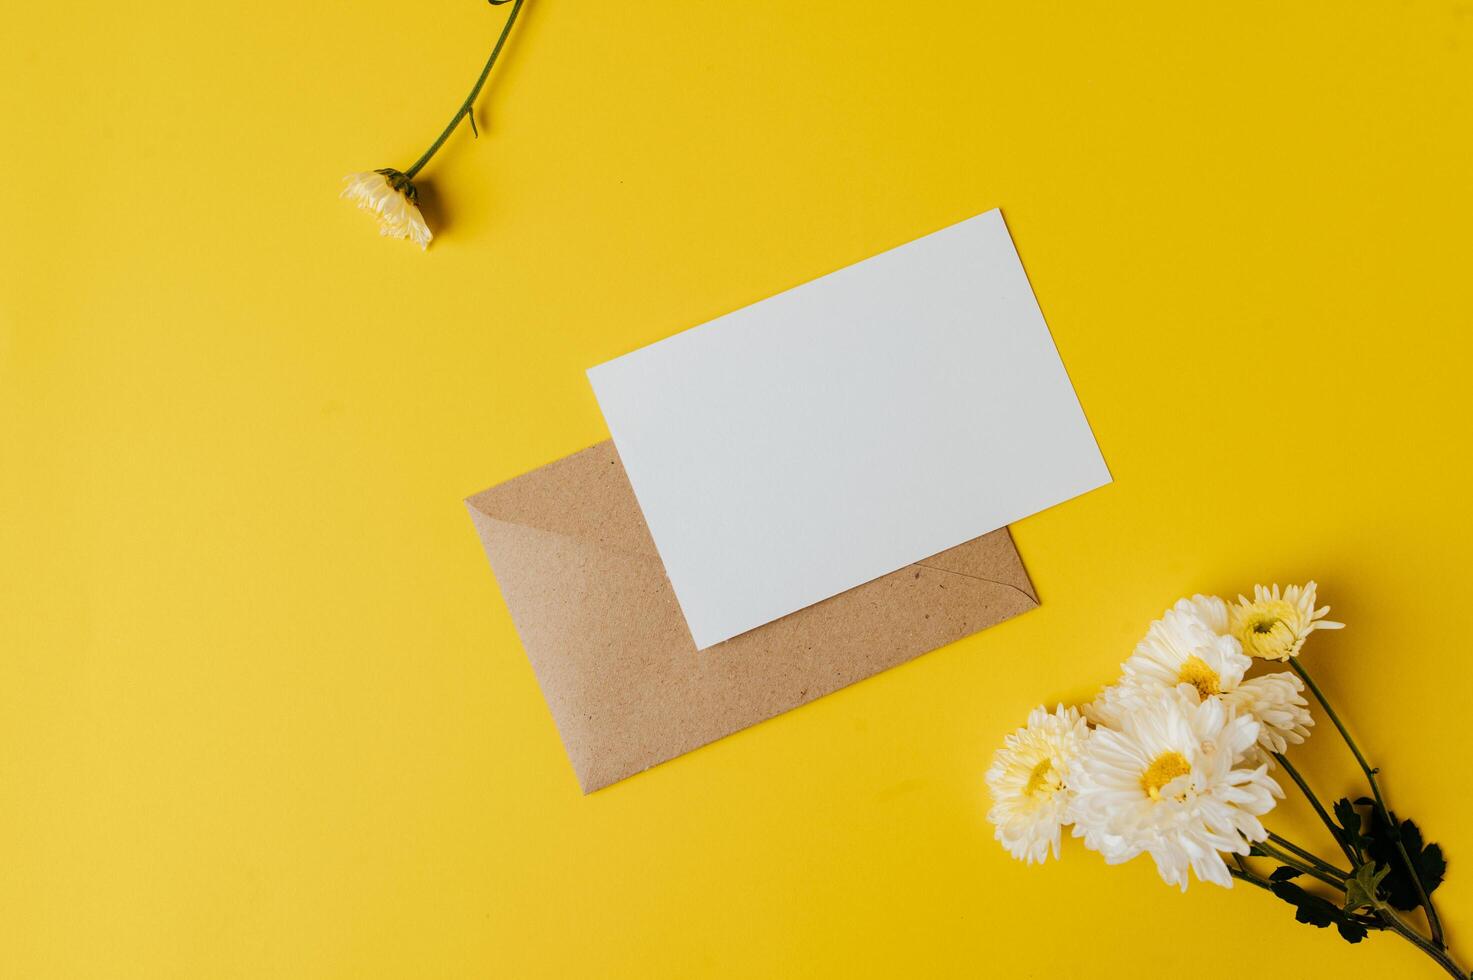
[{"x": 262, "y": 710}]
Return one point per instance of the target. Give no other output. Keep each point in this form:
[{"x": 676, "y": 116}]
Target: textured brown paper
[{"x": 612, "y": 653}]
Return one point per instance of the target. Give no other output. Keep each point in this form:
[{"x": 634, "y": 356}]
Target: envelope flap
[
  {"x": 991, "y": 558},
  {"x": 584, "y": 496}
]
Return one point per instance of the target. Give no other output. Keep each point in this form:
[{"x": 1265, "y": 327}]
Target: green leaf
[
  {"x": 1361, "y": 888},
  {"x": 1311, "y": 909},
  {"x": 1380, "y": 845},
  {"x": 1284, "y": 874},
  {"x": 1315, "y": 911},
  {"x": 1350, "y": 823}
]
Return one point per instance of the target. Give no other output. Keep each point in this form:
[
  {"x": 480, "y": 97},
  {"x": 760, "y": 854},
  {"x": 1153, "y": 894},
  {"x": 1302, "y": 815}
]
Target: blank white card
[{"x": 845, "y": 428}]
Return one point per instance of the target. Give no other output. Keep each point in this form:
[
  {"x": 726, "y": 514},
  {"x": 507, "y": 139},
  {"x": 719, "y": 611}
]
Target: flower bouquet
[{"x": 1183, "y": 757}]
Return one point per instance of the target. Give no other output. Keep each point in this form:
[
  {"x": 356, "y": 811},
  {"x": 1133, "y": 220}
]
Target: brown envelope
[{"x": 612, "y": 653}]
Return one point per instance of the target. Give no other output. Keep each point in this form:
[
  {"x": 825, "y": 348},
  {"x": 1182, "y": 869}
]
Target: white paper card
[{"x": 845, "y": 428}]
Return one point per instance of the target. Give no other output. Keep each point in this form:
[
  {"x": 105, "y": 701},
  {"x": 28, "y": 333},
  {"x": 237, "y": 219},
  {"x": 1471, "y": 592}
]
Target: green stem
[
  {"x": 1298, "y": 865},
  {"x": 1318, "y": 807},
  {"x": 1245, "y": 873},
  {"x": 1392, "y": 828},
  {"x": 470, "y": 100},
  {"x": 1387, "y": 919},
  {"x": 1317, "y": 861},
  {"x": 1251, "y": 878},
  {"x": 1439, "y": 953}
]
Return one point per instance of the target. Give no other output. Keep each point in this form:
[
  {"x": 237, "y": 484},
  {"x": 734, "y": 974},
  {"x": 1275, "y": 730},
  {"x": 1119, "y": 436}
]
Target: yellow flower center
[
  {"x": 1266, "y": 636},
  {"x": 1168, "y": 766},
  {"x": 1044, "y": 781},
  {"x": 1268, "y": 630},
  {"x": 1196, "y": 673}
]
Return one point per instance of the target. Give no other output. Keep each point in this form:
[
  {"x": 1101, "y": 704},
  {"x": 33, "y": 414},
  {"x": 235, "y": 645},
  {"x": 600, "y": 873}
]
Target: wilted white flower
[
  {"x": 1274, "y": 626},
  {"x": 1029, "y": 782},
  {"x": 390, "y": 193},
  {"x": 1170, "y": 783},
  {"x": 392, "y": 197}
]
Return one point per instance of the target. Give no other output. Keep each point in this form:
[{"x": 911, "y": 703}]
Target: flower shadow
[{"x": 432, "y": 206}]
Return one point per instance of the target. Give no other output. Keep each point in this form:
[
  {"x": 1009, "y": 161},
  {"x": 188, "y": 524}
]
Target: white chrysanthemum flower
[
  {"x": 1211, "y": 611},
  {"x": 1180, "y": 648},
  {"x": 392, "y": 197},
  {"x": 1274, "y": 626},
  {"x": 1108, "y": 708},
  {"x": 1188, "y": 646},
  {"x": 1167, "y": 784},
  {"x": 1276, "y": 702},
  {"x": 1029, "y": 782}
]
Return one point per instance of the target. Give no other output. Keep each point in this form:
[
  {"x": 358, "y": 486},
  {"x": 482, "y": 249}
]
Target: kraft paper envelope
[{"x": 615, "y": 659}]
